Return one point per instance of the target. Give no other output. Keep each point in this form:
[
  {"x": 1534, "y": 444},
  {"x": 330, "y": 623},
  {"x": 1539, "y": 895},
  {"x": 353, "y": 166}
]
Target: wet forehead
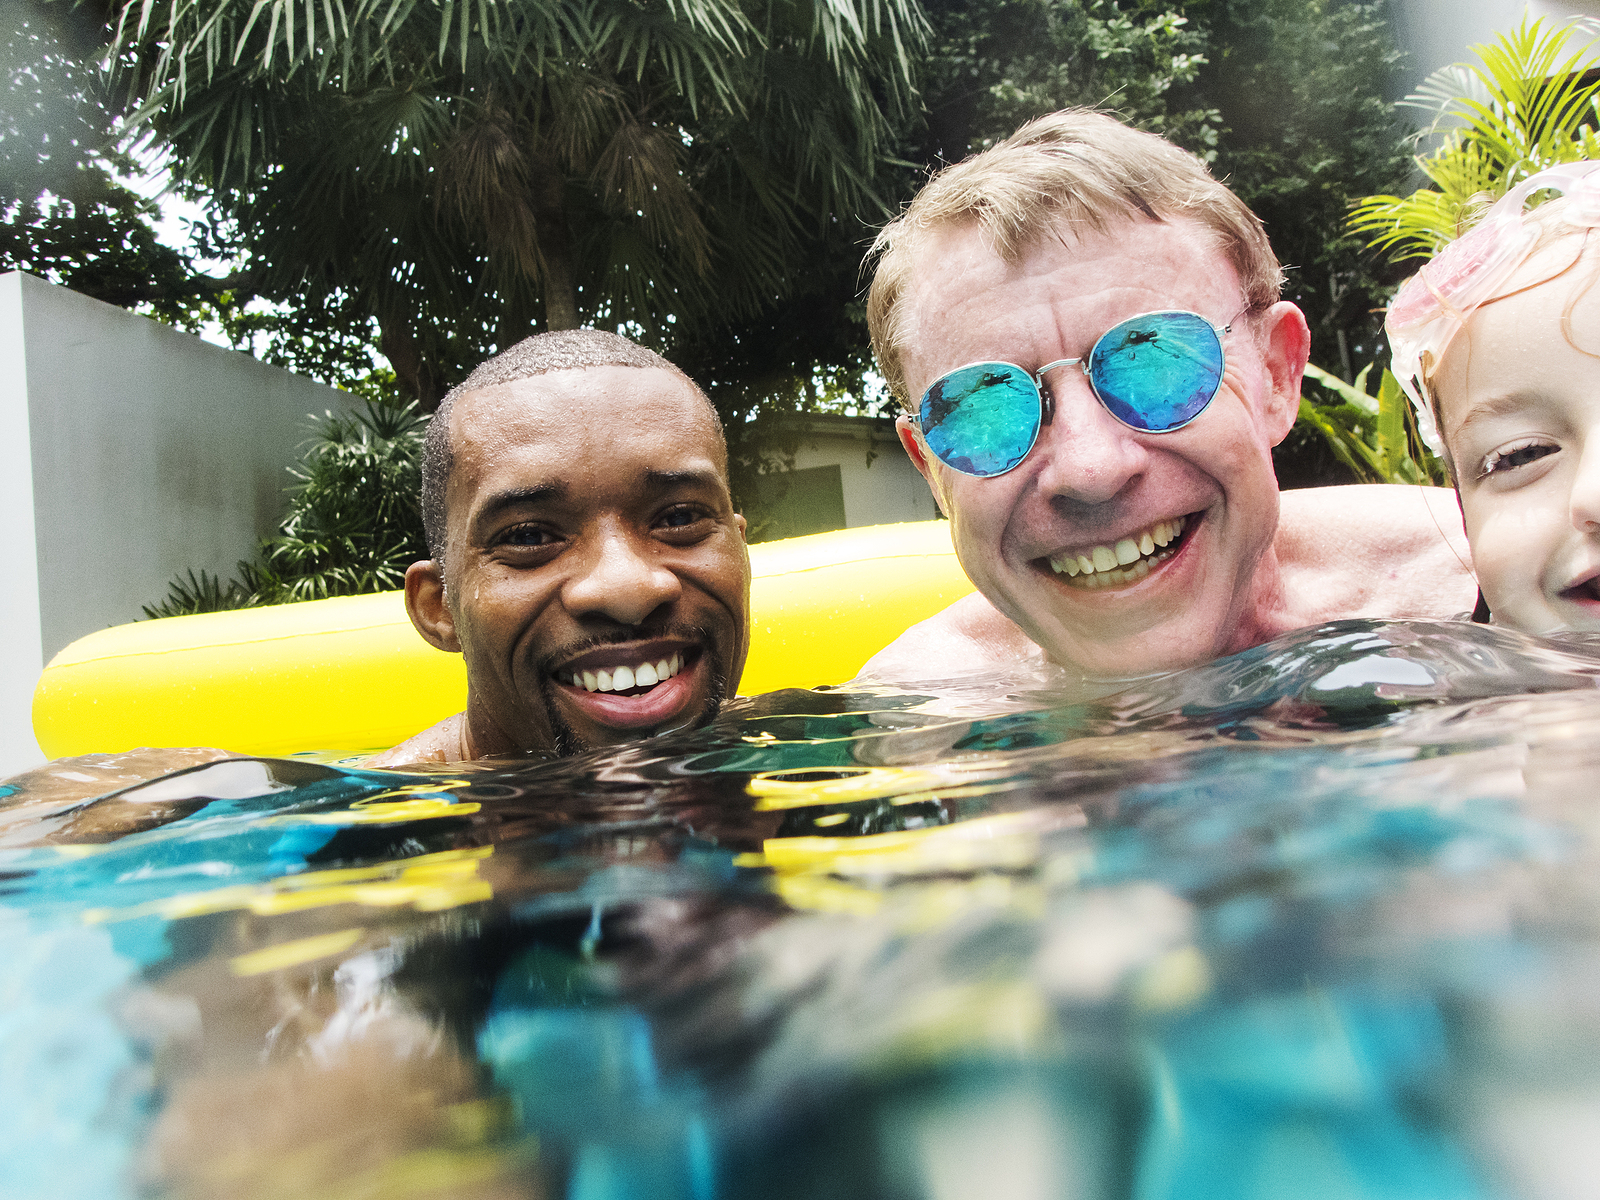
[
  {"x": 581, "y": 426},
  {"x": 965, "y": 303},
  {"x": 1544, "y": 328}
]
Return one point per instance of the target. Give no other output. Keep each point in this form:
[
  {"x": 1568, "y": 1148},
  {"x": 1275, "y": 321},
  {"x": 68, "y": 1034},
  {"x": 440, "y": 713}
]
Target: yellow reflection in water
[
  {"x": 428, "y": 883},
  {"x": 292, "y": 954},
  {"x": 806, "y": 789},
  {"x": 954, "y": 866}
]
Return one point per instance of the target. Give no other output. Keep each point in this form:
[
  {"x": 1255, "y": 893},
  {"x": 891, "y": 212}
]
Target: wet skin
[
  {"x": 1519, "y": 390},
  {"x": 589, "y": 528},
  {"x": 1091, "y": 481}
]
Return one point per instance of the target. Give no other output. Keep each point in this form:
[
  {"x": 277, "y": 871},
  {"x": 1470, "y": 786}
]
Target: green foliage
[
  {"x": 997, "y": 63},
  {"x": 466, "y": 174},
  {"x": 1301, "y": 86},
  {"x": 1527, "y": 105},
  {"x": 354, "y": 523},
  {"x": 190, "y": 594},
  {"x": 63, "y": 215},
  {"x": 355, "y": 516},
  {"x": 1375, "y": 436}
]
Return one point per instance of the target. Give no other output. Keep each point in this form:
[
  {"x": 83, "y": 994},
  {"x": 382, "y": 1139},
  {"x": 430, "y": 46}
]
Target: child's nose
[{"x": 1585, "y": 499}]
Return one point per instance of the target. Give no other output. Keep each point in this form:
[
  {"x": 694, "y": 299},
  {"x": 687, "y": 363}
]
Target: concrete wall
[
  {"x": 1436, "y": 33},
  {"x": 129, "y": 452}
]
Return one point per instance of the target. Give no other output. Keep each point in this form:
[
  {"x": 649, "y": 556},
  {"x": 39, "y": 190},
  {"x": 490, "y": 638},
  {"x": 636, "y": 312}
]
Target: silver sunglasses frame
[{"x": 1047, "y": 399}]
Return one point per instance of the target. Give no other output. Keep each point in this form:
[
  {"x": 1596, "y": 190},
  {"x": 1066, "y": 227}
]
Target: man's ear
[
  {"x": 1285, "y": 346},
  {"x": 742, "y": 524},
  {"x": 911, "y": 439},
  {"x": 426, "y": 607}
]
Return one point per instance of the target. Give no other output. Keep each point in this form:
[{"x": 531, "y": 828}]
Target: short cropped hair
[
  {"x": 1075, "y": 169},
  {"x": 563, "y": 350}
]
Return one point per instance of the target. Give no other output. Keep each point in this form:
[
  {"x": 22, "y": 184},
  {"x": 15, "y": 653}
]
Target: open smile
[
  {"x": 1585, "y": 592},
  {"x": 632, "y": 687},
  {"x": 1125, "y": 561}
]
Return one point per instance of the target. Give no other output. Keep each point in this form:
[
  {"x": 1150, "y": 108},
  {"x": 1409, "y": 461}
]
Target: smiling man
[
  {"x": 1086, "y": 332},
  {"x": 586, "y": 558}
]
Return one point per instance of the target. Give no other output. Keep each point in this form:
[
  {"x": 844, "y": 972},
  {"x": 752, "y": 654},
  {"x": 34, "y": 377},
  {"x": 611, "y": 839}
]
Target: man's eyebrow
[
  {"x": 664, "y": 480},
  {"x": 520, "y": 498}
]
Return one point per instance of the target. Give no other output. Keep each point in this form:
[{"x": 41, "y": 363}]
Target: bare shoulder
[
  {"x": 440, "y": 743},
  {"x": 1373, "y": 550},
  {"x": 970, "y": 635}
]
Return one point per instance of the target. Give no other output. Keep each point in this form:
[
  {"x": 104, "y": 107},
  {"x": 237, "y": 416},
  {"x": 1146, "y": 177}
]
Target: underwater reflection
[{"x": 1319, "y": 919}]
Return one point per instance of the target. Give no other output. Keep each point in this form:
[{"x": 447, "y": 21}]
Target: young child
[{"x": 1497, "y": 342}]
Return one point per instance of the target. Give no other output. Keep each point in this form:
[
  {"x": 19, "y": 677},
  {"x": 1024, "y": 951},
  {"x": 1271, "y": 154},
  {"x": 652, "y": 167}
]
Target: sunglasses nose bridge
[{"x": 1047, "y": 399}]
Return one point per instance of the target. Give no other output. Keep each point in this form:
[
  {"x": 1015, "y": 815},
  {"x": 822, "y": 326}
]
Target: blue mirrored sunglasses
[{"x": 1155, "y": 372}]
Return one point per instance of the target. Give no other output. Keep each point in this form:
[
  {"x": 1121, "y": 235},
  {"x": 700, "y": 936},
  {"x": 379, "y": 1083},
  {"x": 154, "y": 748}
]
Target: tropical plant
[
  {"x": 64, "y": 215},
  {"x": 1531, "y": 102},
  {"x": 1375, "y": 436},
  {"x": 467, "y": 173},
  {"x": 354, "y": 523},
  {"x": 1302, "y": 87}
]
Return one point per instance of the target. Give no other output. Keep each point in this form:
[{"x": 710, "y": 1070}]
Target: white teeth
[
  {"x": 620, "y": 679},
  {"x": 1130, "y": 559}
]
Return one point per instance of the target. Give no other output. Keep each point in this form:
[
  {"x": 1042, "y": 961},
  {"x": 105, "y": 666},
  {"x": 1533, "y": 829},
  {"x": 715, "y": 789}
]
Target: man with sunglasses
[{"x": 1086, "y": 332}]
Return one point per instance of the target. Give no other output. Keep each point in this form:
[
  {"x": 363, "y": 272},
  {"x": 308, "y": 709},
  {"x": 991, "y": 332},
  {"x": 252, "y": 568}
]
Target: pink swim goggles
[{"x": 1431, "y": 307}]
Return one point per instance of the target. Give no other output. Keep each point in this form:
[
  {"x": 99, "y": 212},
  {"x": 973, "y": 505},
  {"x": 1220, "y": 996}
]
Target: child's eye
[{"x": 1512, "y": 457}]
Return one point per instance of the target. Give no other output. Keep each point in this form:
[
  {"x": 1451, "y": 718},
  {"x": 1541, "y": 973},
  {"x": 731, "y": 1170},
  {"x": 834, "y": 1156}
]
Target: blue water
[{"x": 1321, "y": 919}]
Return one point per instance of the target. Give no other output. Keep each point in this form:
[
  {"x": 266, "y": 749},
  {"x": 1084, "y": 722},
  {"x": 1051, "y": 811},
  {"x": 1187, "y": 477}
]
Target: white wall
[
  {"x": 1436, "y": 33},
  {"x": 890, "y": 489},
  {"x": 129, "y": 452}
]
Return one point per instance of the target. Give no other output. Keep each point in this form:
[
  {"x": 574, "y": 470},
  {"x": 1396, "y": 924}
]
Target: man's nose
[
  {"x": 1090, "y": 456},
  {"x": 621, "y": 578},
  {"x": 1584, "y": 503}
]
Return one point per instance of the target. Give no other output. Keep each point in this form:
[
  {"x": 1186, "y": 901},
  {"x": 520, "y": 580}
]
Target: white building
[{"x": 848, "y": 472}]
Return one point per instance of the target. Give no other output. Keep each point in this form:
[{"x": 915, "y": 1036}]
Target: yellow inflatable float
[{"x": 351, "y": 674}]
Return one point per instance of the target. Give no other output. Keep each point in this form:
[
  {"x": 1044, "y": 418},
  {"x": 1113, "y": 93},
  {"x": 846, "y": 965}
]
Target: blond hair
[{"x": 1076, "y": 169}]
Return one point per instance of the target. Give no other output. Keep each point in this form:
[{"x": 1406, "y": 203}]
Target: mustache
[
  {"x": 699, "y": 635},
  {"x": 567, "y": 742}
]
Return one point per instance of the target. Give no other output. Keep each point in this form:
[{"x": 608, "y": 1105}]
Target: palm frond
[{"x": 1526, "y": 105}]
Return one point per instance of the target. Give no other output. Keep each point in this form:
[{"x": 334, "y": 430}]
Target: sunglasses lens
[
  {"x": 981, "y": 419},
  {"x": 1157, "y": 371}
]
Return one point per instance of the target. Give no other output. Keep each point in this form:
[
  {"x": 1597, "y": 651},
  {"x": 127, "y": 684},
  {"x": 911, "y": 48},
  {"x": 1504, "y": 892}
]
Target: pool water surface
[{"x": 1321, "y": 919}]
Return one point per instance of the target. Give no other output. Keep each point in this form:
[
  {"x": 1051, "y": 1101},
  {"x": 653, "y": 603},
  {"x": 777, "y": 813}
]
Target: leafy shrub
[{"x": 1375, "y": 436}]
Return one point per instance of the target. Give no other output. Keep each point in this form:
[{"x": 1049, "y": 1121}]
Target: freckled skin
[
  {"x": 1241, "y": 577},
  {"x": 586, "y": 509},
  {"x": 1519, "y": 392}
]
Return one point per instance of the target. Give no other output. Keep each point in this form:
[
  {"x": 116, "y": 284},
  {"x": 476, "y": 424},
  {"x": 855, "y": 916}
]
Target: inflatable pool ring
[{"x": 351, "y": 674}]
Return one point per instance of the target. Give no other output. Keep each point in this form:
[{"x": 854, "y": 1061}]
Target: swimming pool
[{"x": 1319, "y": 919}]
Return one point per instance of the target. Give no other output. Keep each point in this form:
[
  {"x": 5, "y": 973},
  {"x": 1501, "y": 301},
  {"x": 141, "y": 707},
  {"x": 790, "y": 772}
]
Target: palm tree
[
  {"x": 467, "y": 171},
  {"x": 1530, "y": 104}
]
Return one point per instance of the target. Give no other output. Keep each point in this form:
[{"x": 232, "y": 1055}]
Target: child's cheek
[{"x": 1513, "y": 540}]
